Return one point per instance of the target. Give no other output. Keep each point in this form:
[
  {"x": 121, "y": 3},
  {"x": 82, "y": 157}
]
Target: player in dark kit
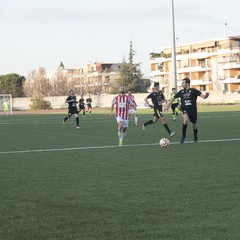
[
  {"x": 188, "y": 98},
  {"x": 72, "y": 108},
  {"x": 158, "y": 99},
  {"x": 89, "y": 104},
  {"x": 82, "y": 106}
]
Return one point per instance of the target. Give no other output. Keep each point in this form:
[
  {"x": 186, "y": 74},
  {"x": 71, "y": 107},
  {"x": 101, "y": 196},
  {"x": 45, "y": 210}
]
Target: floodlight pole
[{"x": 174, "y": 65}]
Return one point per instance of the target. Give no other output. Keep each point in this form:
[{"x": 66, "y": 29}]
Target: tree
[
  {"x": 59, "y": 86},
  {"x": 130, "y": 73},
  {"x": 12, "y": 84},
  {"x": 37, "y": 84}
]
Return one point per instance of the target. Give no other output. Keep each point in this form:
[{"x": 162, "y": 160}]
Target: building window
[{"x": 203, "y": 88}]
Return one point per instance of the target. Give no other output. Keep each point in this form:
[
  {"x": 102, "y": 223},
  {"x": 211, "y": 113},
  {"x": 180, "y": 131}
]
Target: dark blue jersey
[
  {"x": 188, "y": 98},
  {"x": 89, "y": 100},
  {"x": 81, "y": 103},
  {"x": 157, "y": 99},
  {"x": 73, "y": 101}
]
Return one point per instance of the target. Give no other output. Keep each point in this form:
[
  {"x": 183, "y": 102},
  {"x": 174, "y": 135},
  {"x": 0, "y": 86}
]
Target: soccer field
[{"x": 61, "y": 183}]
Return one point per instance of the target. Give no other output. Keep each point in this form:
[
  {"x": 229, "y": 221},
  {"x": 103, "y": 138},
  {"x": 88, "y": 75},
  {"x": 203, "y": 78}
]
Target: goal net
[{"x": 5, "y": 104}]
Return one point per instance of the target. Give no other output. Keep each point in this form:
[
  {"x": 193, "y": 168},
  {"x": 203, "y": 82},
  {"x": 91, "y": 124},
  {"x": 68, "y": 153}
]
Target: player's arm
[
  {"x": 112, "y": 107},
  {"x": 168, "y": 104},
  {"x": 147, "y": 103},
  {"x": 135, "y": 105},
  {"x": 164, "y": 100},
  {"x": 68, "y": 100},
  {"x": 204, "y": 96}
]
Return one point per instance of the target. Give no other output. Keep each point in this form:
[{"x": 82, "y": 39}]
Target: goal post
[{"x": 6, "y": 104}]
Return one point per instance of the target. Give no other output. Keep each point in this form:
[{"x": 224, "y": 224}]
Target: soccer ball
[{"x": 164, "y": 142}]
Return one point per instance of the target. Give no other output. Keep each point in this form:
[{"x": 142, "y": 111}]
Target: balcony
[
  {"x": 231, "y": 65},
  {"x": 231, "y": 80},
  {"x": 158, "y": 72},
  {"x": 199, "y": 82}
]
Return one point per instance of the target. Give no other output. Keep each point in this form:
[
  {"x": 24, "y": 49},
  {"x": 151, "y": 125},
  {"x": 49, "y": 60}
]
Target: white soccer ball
[{"x": 164, "y": 142}]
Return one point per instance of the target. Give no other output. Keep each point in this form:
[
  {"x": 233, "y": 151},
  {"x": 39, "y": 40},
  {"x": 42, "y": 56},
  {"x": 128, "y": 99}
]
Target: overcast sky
[{"x": 42, "y": 33}]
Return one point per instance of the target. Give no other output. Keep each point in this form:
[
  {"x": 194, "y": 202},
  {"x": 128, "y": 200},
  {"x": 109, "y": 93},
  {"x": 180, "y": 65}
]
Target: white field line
[
  {"x": 113, "y": 146},
  {"x": 86, "y": 120}
]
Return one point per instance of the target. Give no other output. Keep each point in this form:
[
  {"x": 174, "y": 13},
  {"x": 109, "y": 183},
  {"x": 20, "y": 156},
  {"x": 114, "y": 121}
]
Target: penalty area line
[{"x": 114, "y": 146}]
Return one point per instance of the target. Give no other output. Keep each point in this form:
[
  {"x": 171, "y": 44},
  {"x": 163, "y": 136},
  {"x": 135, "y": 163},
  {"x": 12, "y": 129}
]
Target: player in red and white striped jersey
[
  {"x": 122, "y": 102},
  {"x": 132, "y": 108}
]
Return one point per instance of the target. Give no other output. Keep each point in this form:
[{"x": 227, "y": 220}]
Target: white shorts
[
  {"x": 125, "y": 122},
  {"x": 131, "y": 111}
]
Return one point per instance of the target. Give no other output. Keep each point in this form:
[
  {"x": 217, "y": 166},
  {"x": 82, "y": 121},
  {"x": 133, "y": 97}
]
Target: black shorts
[
  {"x": 72, "y": 111},
  {"x": 81, "y": 107},
  {"x": 173, "y": 106},
  {"x": 192, "y": 115},
  {"x": 89, "y": 105},
  {"x": 158, "y": 112}
]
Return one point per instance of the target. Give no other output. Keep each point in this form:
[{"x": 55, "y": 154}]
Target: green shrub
[{"x": 40, "y": 103}]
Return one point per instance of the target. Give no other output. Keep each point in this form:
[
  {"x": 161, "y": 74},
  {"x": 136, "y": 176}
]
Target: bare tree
[
  {"x": 37, "y": 84},
  {"x": 59, "y": 84}
]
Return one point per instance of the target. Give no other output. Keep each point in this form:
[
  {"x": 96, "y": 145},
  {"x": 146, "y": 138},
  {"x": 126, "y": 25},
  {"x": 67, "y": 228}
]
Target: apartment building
[
  {"x": 92, "y": 78},
  {"x": 99, "y": 77},
  {"x": 212, "y": 65}
]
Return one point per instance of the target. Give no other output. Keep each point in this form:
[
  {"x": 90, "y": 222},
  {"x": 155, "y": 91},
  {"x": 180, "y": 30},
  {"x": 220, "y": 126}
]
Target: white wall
[{"x": 105, "y": 100}]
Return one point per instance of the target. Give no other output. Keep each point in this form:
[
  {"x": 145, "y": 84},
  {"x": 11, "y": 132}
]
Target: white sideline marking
[
  {"x": 114, "y": 146},
  {"x": 88, "y": 120}
]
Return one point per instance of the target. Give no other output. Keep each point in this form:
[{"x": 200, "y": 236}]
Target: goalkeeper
[{"x": 6, "y": 107}]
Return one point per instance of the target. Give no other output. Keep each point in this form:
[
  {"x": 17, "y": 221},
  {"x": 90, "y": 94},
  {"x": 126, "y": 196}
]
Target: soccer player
[
  {"x": 158, "y": 99},
  {"x": 188, "y": 98},
  {"x": 72, "y": 108},
  {"x": 82, "y": 106},
  {"x": 132, "y": 108},
  {"x": 122, "y": 102},
  {"x": 6, "y": 107},
  {"x": 174, "y": 104},
  {"x": 89, "y": 104}
]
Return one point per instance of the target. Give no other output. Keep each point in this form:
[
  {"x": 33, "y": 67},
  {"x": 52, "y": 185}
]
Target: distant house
[
  {"x": 94, "y": 78},
  {"x": 212, "y": 65}
]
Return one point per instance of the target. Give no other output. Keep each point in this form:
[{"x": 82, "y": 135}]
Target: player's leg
[
  {"x": 120, "y": 132},
  {"x": 154, "y": 120},
  {"x": 136, "y": 119},
  {"x": 173, "y": 112},
  {"x": 75, "y": 112},
  {"x": 120, "y": 126},
  {"x": 124, "y": 132},
  {"x": 164, "y": 122},
  {"x": 122, "y": 129},
  {"x": 177, "y": 109},
  {"x": 149, "y": 122},
  {"x": 69, "y": 114},
  {"x": 193, "y": 119},
  {"x": 195, "y": 131},
  {"x": 77, "y": 120},
  {"x": 184, "y": 126}
]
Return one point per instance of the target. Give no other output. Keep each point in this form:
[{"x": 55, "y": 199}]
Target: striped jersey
[
  {"x": 122, "y": 102},
  {"x": 132, "y": 104}
]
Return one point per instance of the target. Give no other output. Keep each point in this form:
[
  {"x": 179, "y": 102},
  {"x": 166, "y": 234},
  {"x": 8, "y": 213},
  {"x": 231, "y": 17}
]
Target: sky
[{"x": 44, "y": 33}]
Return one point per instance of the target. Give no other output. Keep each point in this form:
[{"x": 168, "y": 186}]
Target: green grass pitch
[{"x": 61, "y": 183}]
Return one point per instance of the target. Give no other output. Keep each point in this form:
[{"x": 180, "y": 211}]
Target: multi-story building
[
  {"x": 92, "y": 78},
  {"x": 212, "y": 65},
  {"x": 98, "y": 77}
]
